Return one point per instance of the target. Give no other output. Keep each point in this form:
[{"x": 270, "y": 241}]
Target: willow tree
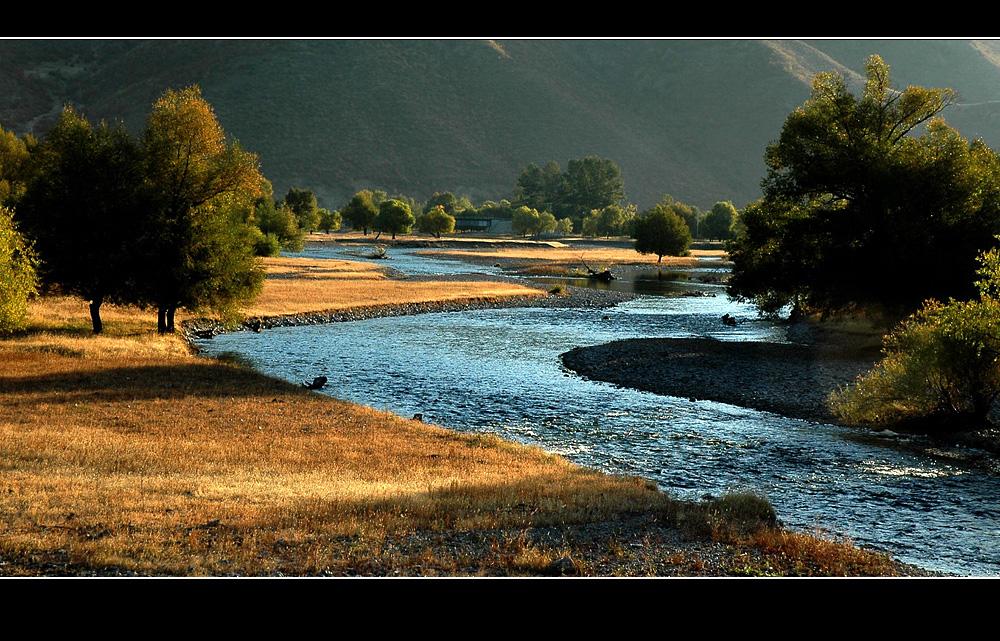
[{"x": 200, "y": 252}]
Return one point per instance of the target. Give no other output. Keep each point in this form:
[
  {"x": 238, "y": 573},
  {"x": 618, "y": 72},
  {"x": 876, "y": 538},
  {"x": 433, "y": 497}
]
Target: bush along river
[{"x": 499, "y": 371}]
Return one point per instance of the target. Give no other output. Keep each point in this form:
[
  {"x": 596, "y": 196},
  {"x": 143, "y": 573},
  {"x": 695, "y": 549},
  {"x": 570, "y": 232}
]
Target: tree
[
  {"x": 436, "y": 222},
  {"x": 607, "y": 221},
  {"x": 565, "y": 226},
  {"x": 17, "y": 274},
  {"x": 361, "y": 210},
  {"x": 279, "y": 221},
  {"x": 200, "y": 251},
  {"x": 861, "y": 210},
  {"x": 329, "y": 220},
  {"x": 941, "y": 369},
  {"x": 85, "y": 208},
  {"x": 662, "y": 232},
  {"x": 540, "y": 188},
  {"x": 303, "y": 203},
  {"x": 444, "y": 199},
  {"x": 718, "y": 223},
  {"x": 530, "y": 221},
  {"x": 592, "y": 182},
  {"x": 14, "y": 166},
  {"x": 395, "y": 217}
]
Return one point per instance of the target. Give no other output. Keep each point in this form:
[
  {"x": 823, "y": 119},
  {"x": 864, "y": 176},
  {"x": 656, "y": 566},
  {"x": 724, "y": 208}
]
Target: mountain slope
[{"x": 690, "y": 118}]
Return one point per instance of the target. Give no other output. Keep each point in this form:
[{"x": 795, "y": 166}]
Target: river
[{"x": 499, "y": 371}]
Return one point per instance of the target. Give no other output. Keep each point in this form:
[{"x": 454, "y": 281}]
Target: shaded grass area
[{"x": 125, "y": 454}]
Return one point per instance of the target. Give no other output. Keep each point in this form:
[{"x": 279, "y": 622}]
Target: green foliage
[
  {"x": 303, "y": 203},
  {"x": 266, "y": 244},
  {"x": 490, "y": 209},
  {"x": 85, "y": 208},
  {"x": 278, "y": 221},
  {"x": 14, "y": 155},
  {"x": 661, "y": 231},
  {"x": 361, "y": 210},
  {"x": 329, "y": 220},
  {"x": 859, "y": 210},
  {"x": 447, "y": 201},
  {"x": 200, "y": 249},
  {"x": 941, "y": 369},
  {"x": 564, "y": 226},
  {"x": 719, "y": 222},
  {"x": 394, "y": 217},
  {"x": 529, "y": 221},
  {"x": 436, "y": 221},
  {"x": 613, "y": 220},
  {"x": 17, "y": 274},
  {"x": 588, "y": 183}
]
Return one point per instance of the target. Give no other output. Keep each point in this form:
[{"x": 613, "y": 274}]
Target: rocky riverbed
[
  {"x": 788, "y": 379},
  {"x": 569, "y": 297}
]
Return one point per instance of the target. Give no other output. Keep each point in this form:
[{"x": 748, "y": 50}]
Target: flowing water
[{"x": 499, "y": 371}]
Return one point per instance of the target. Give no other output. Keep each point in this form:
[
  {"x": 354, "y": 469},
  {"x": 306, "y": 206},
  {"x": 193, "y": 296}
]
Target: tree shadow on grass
[{"x": 207, "y": 380}]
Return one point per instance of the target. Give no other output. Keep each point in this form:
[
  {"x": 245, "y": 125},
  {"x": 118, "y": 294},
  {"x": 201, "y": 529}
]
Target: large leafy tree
[
  {"x": 361, "y": 210},
  {"x": 85, "y": 208},
  {"x": 436, "y": 222},
  {"x": 718, "y": 223},
  {"x": 303, "y": 202},
  {"x": 592, "y": 182},
  {"x": 861, "y": 209},
  {"x": 662, "y": 232},
  {"x": 17, "y": 274},
  {"x": 394, "y": 217},
  {"x": 200, "y": 253}
]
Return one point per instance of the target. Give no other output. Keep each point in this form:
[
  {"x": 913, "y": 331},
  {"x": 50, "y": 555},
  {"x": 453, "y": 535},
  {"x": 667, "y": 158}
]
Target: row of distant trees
[
  {"x": 165, "y": 219},
  {"x": 587, "y": 199}
]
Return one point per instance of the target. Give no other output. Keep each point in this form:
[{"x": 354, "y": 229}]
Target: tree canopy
[
  {"x": 588, "y": 183},
  {"x": 17, "y": 274},
  {"x": 361, "y": 210},
  {"x": 719, "y": 222},
  {"x": 661, "y": 231},
  {"x": 436, "y": 222},
  {"x": 85, "y": 208},
  {"x": 394, "y": 217},
  {"x": 530, "y": 221},
  {"x": 862, "y": 210},
  {"x": 200, "y": 252},
  {"x": 303, "y": 203}
]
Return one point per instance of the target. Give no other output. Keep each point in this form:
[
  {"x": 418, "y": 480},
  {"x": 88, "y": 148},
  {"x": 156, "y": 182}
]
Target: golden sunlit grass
[
  {"x": 543, "y": 260},
  {"x": 297, "y": 285},
  {"x": 127, "y": 453}
]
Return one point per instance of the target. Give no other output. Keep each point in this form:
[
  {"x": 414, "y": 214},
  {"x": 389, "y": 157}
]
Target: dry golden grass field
[
  {"x": 297, "y": 285},
  {"x": 556, "y": 260},
  {"x": 128, "y": 454}
]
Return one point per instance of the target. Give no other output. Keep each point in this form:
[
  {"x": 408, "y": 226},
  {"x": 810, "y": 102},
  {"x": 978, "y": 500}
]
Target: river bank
[
  {"x": 792, "y": 380},
  {"x": 787, "y": 379},
  {"x": 128, "y": 455}
]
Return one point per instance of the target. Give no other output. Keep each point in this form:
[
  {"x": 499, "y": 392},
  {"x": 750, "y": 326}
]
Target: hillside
[{"x": 690, "y": 118}]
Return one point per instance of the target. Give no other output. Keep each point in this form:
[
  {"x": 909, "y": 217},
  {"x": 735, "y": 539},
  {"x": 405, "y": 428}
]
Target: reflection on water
[{"x": 499, "y": 371}]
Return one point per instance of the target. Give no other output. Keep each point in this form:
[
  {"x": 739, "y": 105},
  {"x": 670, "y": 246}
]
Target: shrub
[
  {"x": 17, "y": 274},
  {"x": 941, "y": 369},
  {"x": 267, "y": 245}
]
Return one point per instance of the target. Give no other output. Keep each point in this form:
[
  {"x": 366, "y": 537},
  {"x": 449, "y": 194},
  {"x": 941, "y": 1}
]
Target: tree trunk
[
  {"x": 161, "y": 319},
  {"x": 394, "y": 235},
  {"x": 170, "y": 319},
  {"x": 95, "y": 315},
  {"x": 366, "y": 231},
  {"x": 659, "y": 259}
]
